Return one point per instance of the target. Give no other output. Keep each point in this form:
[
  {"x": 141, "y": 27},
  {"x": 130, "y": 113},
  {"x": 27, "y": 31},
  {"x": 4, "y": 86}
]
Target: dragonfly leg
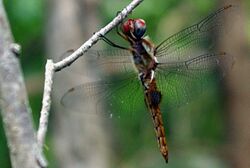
[
  {"x": 109, "y": 42},
  {"x": 119, "y": 26},
  {"x": 152, "y": 75},
  {"x": 146, "y": 78},
  {"x": 142, "y": 79},
  {"x": 121, "y": 34}
]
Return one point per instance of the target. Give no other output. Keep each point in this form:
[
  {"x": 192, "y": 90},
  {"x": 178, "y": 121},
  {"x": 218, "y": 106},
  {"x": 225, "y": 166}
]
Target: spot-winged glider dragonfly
[{"x": 145, "y": 72}]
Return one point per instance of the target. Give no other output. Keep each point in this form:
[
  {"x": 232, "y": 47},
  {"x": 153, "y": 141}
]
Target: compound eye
[
  {"x": 139, "y": 28},
  {"x": 128, "y": 26}
]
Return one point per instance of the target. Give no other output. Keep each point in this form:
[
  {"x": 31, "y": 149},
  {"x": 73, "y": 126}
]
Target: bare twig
[
  {"x": 15, "y": 108},
  {"x": 80, "y": 51},
  {"x": 49, "y": 71},
  {"x": 53, "y": 67}
]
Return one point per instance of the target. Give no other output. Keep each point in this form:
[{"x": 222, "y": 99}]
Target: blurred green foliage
[{"x": 26, "y": 19}]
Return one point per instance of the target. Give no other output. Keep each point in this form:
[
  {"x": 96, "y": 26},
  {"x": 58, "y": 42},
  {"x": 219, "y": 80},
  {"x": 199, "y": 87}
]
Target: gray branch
[
  {"x": 15, "y": 109},
  {"x": 53, "y": 67},
  {"x": 89, "y": 43}
]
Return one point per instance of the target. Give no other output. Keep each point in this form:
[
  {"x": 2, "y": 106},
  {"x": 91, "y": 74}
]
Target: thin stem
[
  {"x": 54, "y": 67},
  {"x": 43, "y": 123},
  {"x": 89, "y": 43}
]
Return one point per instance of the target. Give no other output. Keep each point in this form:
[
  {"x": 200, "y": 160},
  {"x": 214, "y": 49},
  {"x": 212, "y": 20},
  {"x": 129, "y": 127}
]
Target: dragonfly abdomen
[
  {"x": 153, "y": 99},
  {"x": 160, "y": 132}
]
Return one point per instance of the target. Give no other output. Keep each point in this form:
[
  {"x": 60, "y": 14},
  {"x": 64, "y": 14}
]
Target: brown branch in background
[
  {"x": 15, "y": 109},
  {"x": 237, "y": 87}
]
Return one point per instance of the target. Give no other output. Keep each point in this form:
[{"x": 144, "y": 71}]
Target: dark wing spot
[{"x": 71, "y": 90}]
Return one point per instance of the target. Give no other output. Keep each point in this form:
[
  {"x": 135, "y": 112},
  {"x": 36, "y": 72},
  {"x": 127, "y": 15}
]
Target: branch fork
[{"x": 52, "y": 67}]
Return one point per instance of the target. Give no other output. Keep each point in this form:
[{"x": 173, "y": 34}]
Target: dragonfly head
[{"x": 134, "y": 28}]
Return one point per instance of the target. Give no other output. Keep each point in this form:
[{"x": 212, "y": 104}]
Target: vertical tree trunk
[
  {"x": 79, "y": 141},
  {"x": 15, "y": 107},
  {"x": 238, "y": 87}
]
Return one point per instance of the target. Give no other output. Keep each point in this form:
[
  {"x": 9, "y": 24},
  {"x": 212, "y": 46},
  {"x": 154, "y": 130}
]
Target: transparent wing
[
  {"x": 117, "y": 91},
  {"x": 183, "y": 70},
  {"x": 194, "y": 40},
  {"x": 118, "y": 96},
  {"x": 183, "y": 81},
  {"x": 104, "y": 62}
]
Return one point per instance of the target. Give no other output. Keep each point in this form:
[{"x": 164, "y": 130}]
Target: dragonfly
[{"x": 145, "y": 72}]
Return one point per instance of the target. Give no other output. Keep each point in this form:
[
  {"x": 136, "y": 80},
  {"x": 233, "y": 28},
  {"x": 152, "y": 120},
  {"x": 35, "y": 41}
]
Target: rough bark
[
  {"x": 15, "y": 109},
  {"x": 79, "y": 141}
]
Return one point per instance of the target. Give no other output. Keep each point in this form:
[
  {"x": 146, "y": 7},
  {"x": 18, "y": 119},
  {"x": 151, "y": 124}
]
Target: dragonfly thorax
[{"x": 144, "y": 61}]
